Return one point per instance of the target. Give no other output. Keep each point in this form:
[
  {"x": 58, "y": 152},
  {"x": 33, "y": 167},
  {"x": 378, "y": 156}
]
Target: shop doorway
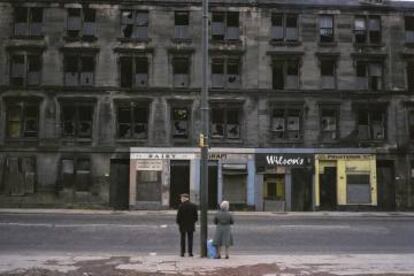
[
  {"x": 119, "y": 187},
  {"x": 274, "y": 192},
  {"x": 212, "y": 185},
  {"x": 235, "y": 185},
  {"x": 327, "y": 187},
  {"x": 179, "y": 181},
  {"x": 301, "y": 189},
  {"x": 386, "y": 187}
]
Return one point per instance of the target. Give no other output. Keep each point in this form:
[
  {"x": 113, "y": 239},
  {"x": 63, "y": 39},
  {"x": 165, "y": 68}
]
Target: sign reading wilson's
[{"x": 271, "y": 160}]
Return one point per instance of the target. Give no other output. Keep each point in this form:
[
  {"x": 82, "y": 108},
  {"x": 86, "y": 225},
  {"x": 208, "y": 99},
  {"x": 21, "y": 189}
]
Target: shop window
[
  {"x": 367, "y": 29},
  {"x": 329, "y": 123},
  {"x": 225, "y": 123},
  {"x": 326, "y": 28},
  {"x": 148, "y": 186},
  {"x": 225, "y": 73},
  {"x": 410, "y": 75},
  {"x": 274, "y": 187},
  {"x": 358, "y": 188},
  {"x": 19, "y": 176},
  {"x": 181, "y": 19},
  {"x": 180, "y": 122},
  {"x": 22, "y": 120},
  {"x": 225, "y": 26},
  {"x": 81, "y": 23},
  {"x": 181, "y": 71},
  {"x": 28, "y": 21},
  {"x": 79, "y": 70},
  {"x": 76, "y": 174},
  {"x": 286, "y": 124},
  {"x": 134, "y": 71},
  {"x": 411, "y": 124},
  {"x": 369, "y": 75},
  {"x": 409, "y": 29},
  {"x": 285, "y": 74},
  {"x": 77, "y": 120},
  {"x": 134, "y": 24},
  {"x": 132, "y": 121},
  {"x": 25, "y": 69},
  {"x": 371, "y": 125},
  {"x": 328, "y": 73},
  {"x": 284, "y": 27}
]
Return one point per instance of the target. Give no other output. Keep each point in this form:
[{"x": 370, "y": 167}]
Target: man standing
[{"x": 186, "y": 218}]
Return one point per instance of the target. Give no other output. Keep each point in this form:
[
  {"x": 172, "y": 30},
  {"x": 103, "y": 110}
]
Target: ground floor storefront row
[{"x": 261, "y": 179}]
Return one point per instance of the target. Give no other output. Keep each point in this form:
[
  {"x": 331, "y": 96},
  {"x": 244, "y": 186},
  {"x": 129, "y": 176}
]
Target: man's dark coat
[{"x": 187, "y": 216}]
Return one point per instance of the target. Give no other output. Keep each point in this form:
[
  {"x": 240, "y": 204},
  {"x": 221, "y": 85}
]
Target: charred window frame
[
  {"x": 25, "y": 69},
  {"x": 132, "y": 120},
  {"x": 329, "y": 122},
  {"x": 81, "y": 23},
  {"x": 371, "y": 124},
  {"x": 225, "y": 122},
  {"x": 326, "y": 28},
  {"x": 180, "y": 122},
  {"x": 409, "y": 29},
  {"x": 134, "y": 71},
  {"x": 75, "y": 173},
  {"x": 328, "y": 73},
  {"x": 367, "y": 29},
  {"x": 369, "y": 75},
  {"x": 22, "y": 119},
  {"x": 77, "y": 120},
  {"x": 225, "y": 26},
  {"x": 285, "y": 27},
  {"x": 181, "y": 71},
  {"x": 135, "y": 24},
  {"x": 28, "y": 21},
  {"x": 182, "y": 25},
  {"x": 79, "y": 69},
  {"x": 285, "y": 73},
  {"x": 286, "y": 123},
  {"x": 226, "y": 72}
]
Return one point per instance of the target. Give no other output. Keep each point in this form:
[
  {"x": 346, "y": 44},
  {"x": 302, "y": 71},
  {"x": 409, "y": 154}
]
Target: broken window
[
  {"x": 180, "y": 121},
  {"x": 22, "y": 120},
  {"x": 134, "y": 24},
  {"x": 367, "y": 29},
  {"x": 286, "y": 123},
  {"x": 76, "y": 120},
  {"x": 81, "y": 23},
  {"x": 409, "y": 29},
  {"x": 411, "y": 125},
  {"x": 284, "y": 27},
  {"x": 132, "y": 121},
  {"x": 410, "y": 75},
  {"x": 226, "y": 72},
  {"x": 326, "y": 28},
  {"x": 181, "y": 19},
  {"x": 328, "y": 78},
  {"x": 328, "y": 123},
  {"x": 79, "y": 70},
  {"x": 25, "y": 69},
  {"x": 19, "y": 176},
  {"x": 285, "y": 74},
  {"x": 75, "y": 173},
  {"x": 134, "y": 71},
  {"x": 369, "y": 75},
  {"x": 225, "y": 123},
  {"x": 371, "y": 125},
  {"x": 181, "y": 70},
  {"x": 225, "y": 26},
  {"x": 28, "y": 21}
]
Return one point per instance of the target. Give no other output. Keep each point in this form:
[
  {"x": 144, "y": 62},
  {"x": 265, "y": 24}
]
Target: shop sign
[
  {"x": 148, "y": 165},
  {"x": 283, "y": 160},
  {"x": 345, "y": 157},
  {"x": 163, "y": 156}
]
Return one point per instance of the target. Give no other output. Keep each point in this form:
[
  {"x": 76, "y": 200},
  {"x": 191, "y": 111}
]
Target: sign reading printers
[{"x": 271, "y": 160}]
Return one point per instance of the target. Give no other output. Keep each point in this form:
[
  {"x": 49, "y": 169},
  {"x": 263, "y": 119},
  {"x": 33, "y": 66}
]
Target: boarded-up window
[
  {"x": 284, "y": 27},
  {"x": 180, "y": 120},
  {"x": 134, "y": 24},
  {"x": 225, "y": 26},
  {"x": 326, "y": 28},
  {"x": 181, "y": 19},
  {"x": 79, "y": 70},
  {"x": 358, "y": 188},
  {"x": 25, "y": 69},
  {"x": 409, "y": 29},
  {"x": 76, "y": 174},
  {"x": 148, "y": 186},
  {"x": 20, "y": 176},
  {"x": 76, "y": 120},
  {"x": 371, "y": 125},
  {"x": 286, "y": 123},
  {"x": 28, "y": 21},
  {"x": 22, "y": 120},
  {"x": 132, "y": 121},
  {"x": 285, "y": 74},
  {"x": 225, "y": 123}
]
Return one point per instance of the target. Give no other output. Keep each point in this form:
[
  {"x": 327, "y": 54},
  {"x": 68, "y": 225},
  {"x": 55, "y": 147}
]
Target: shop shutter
[{"x": 358, "y": 189}]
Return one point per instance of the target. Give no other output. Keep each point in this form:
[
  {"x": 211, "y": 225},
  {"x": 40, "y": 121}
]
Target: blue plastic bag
[{"x": 211, "y": 249}]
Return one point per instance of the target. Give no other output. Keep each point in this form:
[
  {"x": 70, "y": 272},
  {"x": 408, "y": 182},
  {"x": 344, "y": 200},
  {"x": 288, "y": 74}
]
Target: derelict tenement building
[{"x": 311, "y": 103}]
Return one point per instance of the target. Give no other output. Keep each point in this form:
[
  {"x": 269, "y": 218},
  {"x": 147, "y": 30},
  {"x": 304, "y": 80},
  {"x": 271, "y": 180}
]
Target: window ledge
[
  {"x": 368, "y": 45},
  {"x": 275, "y": 141},
  {"x": 133, "y": 40},
  {"x": 328, "y": 44},
  {"x": 23, "y": 139},
  {"x": 182, "y": 40},
  {"x": 226, "y": 42},
  {"x": 285, "y": 43},
  {"x": 225, "y": 141},
  {"x": 80, "y": 38},
  {"x": 28, "y": 37}
]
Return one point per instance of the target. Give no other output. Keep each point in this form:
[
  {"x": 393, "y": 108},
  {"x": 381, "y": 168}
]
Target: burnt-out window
[
  {"x": 28, "y": 21},
  {"x": 285, "y": 74},
  {"x": 286, "y": 123},
  {"x": 132, "y": 121},
  {"x": 79, "y": 70},
  {"x": 328, "y": 73},
  {"x": 75, "y": 173},
  {"x": 76, "y": 120},
  {"x": 369, "y": 75},
  {"x": 326, "y": 28},
  {"x": 371, "y": 124},
  {"x": 367, "y": 29},
  {"x": 22, "y": 119},
  {"x": 81, "y": 23},
  {"x": 410, "y": 75},
  {"x": 25, "y": 69},
  {"x": 181, "y": 22},
  {"x": 225, "y": 123},
  {"x": 134, "y": 71},
  {"x": 409, "y": 29},
  {"x": 329, "y": 122},
  {"x": 411, "y": 124},
  {"x": 284, "y": 27},
  {"x": 181, "y": 71},
  {"x": 134, "y": 24},
  {"x": 225, "y": 72},
  {"x": 225, "y": 26},
  {"x": 180, "y": 119}
]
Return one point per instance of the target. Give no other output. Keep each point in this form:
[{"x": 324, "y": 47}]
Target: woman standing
[{"x": 223, "y": 236}]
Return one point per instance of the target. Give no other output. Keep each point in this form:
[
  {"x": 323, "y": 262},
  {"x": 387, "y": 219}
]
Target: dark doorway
[
  {"x": 180, "y": 181},
  {"x": 119, "y": 187},
  {"x": 301, "y": 189},
  {"x": 386, "y": 187},
  {"x": 327, "y": 188},
  {"x": 212, "y": 185}
]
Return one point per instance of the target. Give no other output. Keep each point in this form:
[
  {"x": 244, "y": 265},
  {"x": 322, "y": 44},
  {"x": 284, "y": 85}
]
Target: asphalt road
[{"x": 254, "y": 234}]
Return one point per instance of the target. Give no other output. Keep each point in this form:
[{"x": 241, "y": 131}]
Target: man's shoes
[
  {"x": 182, "y": 254},
  {"x": 227, "y": 257},
  {"x": 190, "y": 255}
]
